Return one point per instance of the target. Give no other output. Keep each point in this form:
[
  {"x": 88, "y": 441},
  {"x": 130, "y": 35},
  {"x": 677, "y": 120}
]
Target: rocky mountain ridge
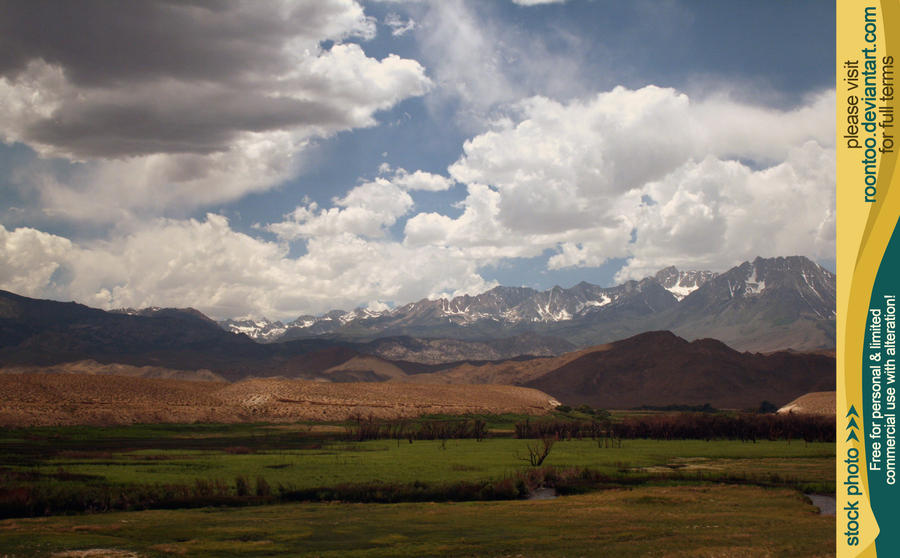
[
  {"x": 764, "y": 305},
  {"x": 508, "y": 305},
  {"x": 754, "y": 304}
]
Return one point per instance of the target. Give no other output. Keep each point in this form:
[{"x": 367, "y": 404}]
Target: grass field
[
  {"x": 432, "y": 461},
  {"x": 301, "y": 460},
  {"x": 662, "y": 498},
  {"x": 711, "y": 521}
]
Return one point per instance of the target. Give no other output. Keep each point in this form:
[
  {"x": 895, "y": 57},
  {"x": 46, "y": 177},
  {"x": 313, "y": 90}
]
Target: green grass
[
  {"x": 302, "y": 457},
  {"x": 426, "y": 461},
  {"x": 670, "y": 508},
  {"x": 733, "y": 521}
]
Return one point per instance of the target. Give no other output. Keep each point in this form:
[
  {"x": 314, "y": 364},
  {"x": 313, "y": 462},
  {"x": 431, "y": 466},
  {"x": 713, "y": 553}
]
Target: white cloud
[
  {"x": 712, "y": 214},
  {"x": 180, "y": 106},
  {"x": 222, "y": 105},
  {"x": 650, "y": 175},
  {"x": 224, "y": 273},
  {"x": 572, "y": 177},
  {"x": 28, "y": 260},
  {"x": 398, "y": 26},
  {"x": 367, "y": 210},
  {"x": 421, "y": 180},
  {"x": 119, "y": 190},
  {"x": 478, "y": 232},
  {"x": 418, "y": 180}
]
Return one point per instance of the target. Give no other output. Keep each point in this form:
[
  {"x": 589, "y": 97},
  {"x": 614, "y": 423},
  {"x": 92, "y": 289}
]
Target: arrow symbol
[
  {"x": 852, "y": 436},
  {"x": 852, "y": 411},
  {"x": 852, "y": 423}
]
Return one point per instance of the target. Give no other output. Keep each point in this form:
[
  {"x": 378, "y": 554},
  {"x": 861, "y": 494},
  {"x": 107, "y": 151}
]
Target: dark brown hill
[
  {"x": 310, "y": 365},
  {"x": 514, "y": 371},
  {"x": 659, "y": 368}
]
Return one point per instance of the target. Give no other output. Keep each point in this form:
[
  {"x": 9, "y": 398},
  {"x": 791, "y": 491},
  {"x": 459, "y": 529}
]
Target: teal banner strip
[{"x": 880, "y": 399}]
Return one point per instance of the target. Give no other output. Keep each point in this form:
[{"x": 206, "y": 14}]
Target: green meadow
[
  {"x": 306, "y": 489},
  {"x": 672, "y": 521}
]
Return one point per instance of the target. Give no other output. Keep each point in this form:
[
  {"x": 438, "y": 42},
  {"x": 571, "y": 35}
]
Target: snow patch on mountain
[
  {"x": 520, "y": 307},
  {"x": 682, "y": 283},
  {"x": 754, "y": 285},
  {"x": 257, "y": 329},
  {"x": 587, "y": 305}
]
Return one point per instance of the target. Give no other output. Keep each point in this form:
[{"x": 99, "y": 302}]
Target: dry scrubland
[{"x": 68, "y": 399}]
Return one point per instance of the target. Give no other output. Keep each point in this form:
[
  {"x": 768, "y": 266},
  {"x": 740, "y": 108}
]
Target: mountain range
[
  {"x": 45, "y": 333},
  {"x": 763, "y": 305},
  {"x": 777, "y": 303}
]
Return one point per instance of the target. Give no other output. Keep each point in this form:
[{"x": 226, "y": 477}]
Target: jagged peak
[
  {"x": 517, "y": 307},
  {"x": 666, "y": 271}
]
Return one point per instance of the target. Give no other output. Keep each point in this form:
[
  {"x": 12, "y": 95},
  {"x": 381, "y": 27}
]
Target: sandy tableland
[
  {"x": 815, "y": 403},
  {"x": 92, "y": 367},
  {"x": 66, "y": 399}
]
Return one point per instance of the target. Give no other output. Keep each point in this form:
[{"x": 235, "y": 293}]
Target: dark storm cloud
[
  {"x": 171, "y": 77},
  {"x": 107, "y": 42},
  {"x": 126, "y": 128}
]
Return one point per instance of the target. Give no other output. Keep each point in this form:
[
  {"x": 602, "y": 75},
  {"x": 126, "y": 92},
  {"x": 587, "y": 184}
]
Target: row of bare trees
[
  {"x": 745, "y": 427},
  {"x": 687, "y": 426},
  {"x": 370, "y": 428},
  {"x": 681, "y": 426}
]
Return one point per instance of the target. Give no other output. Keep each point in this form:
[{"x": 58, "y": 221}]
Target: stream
[
  {"x": 543, "y": 494},
  {"x": 826, "y": 504}
]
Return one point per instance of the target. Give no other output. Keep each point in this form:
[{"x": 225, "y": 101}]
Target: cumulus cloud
[
  {"x": 710, "y": 214},
  {"x": 649, "y": 175},
  {"x": 29, "y": 259},
  {"x": 158, "y": 109},
  {"x": 224, "y": 273},
  {"x": 477, "y": 225},
  {"x": 698, "y": 182},
  {"x": 186, "y": 104},
  {"x": 367, "y": 210},
  {"x": 418, "y": 180}
]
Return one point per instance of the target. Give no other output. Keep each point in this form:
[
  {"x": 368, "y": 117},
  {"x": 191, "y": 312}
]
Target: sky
[{"x": 275, "y": 159}]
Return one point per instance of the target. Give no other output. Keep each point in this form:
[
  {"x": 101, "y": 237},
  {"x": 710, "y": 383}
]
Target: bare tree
[{"x": 537, "y": 453}]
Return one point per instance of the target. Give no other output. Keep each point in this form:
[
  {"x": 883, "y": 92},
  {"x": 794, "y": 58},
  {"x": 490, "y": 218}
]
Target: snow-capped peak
[
  {"x": 258, "y": 329},
  {"x": 682, "y": 283}
]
